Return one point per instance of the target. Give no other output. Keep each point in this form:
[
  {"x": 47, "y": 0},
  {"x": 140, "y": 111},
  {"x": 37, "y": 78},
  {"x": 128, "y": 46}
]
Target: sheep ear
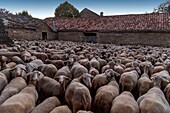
[
  {"x": 56, "y": 78},
  {"x": 165, "y": 90},
  {"x": 13, "y": 69},
  {"x": 67, "y": 78},
  {"x": 24, "y": 69},
  {"x": 117, "y": 74}
]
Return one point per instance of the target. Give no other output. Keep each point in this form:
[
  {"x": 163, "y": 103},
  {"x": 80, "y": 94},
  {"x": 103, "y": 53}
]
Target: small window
[{"x": 44, "y": 35}]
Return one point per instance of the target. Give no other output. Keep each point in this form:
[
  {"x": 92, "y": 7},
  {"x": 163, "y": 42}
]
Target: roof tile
[{"x": 134, "y": 22}]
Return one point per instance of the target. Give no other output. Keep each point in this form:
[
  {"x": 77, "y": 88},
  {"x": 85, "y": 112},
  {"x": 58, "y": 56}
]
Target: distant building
[
  {"x": 86, "y": 13},
  {"x": 145, "y": 29},
  {"x": 26, "y": 28}
]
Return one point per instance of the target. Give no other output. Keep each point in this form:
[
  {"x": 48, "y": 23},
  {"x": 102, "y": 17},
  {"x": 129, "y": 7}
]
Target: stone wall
[
  {"x": 70, "y": 36},
  {"x": 23, "y": 34},
  {"x": 30, "y": 34},
  {"x": 153, "y": 39}
]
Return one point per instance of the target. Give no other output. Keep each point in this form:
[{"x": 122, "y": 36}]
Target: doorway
[
  {"x": 44, "y": 35},
  {"x": 90, "y": 37}
]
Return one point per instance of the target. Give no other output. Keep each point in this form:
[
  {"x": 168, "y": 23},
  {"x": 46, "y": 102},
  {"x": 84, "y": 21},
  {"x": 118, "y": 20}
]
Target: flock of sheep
[{"x": 78, "y": 77}]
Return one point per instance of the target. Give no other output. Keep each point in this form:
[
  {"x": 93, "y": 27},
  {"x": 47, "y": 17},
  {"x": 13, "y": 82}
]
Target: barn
[
  {"x": 26, "y": 28},
  {"x": 143, "y": 29}
]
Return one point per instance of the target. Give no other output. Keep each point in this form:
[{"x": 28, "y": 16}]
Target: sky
[{"x": 45, "y": 8}]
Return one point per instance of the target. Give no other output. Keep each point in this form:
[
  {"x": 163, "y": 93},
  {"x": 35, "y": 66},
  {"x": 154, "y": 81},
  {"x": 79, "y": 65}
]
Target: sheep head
[
  {"x": 111, "y": 74},
  {"x": 157, "y": 80},
  {"x": 19, "y": 71},
  {"x": 63, "y": 80},
  {"x": 35, "y": 77},
  {"x": 86, "y": 80}
]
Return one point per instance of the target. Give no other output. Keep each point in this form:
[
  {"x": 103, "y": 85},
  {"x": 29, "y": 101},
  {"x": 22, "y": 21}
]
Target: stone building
[
  {"x": 86, "y": 13},
  {"x": 27, "y": 28},
  {"x": 144, "y": 29}
]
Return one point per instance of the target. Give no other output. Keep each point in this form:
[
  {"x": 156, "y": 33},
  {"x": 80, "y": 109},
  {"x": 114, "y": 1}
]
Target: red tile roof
[{"x": 154, "y": 22}]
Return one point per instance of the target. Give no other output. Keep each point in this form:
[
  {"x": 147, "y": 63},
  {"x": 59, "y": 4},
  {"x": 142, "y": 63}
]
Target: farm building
[
  {"x": 86, "y": 13},
  {"x": 148, "y": 29},
  {"x": 26, "y": 28}
]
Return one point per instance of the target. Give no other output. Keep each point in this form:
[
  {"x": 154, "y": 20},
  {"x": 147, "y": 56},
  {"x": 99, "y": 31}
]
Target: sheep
[
  {"x": 144, "y": 83},
  {"x": 128, "y": 80},
  {"x": 142, "y": 66},
  {"x": 17, "y": 60},
  {"x": 165, "y": 78},
  {"x": 135, "y": 66},
  {"x": 73, "y": 68},
  {"x": 78, "y": 95},
  {"x": 93, "y": 71},
  {"x": 19, "y": 71},
  {"x": 86, "y": 63},
  {"x": 48, "y": 70},
  {"x": 64, "y": 81},
  {"x": 40, "y": 55},
  {"x": 105, "y": 95},
  {"x": 58, "y": 63},
  {"x": 104, "y": 68},
  {"x": 25, "y": 56},
  {"x": 44, "y": 84},
  {"x": 61, "y": 109},
  {"x": 119, "y": 67},
  {"x": 125, "y": 102},
  {"x": 14, "y": 87},
  {"x": 167, "y": 65},
  {"x": 9, "y": 54},
  {"x": 11, "y": 65},
  {"x": 64, "y": 71},
  {"x": 77, "y": 70},
  {"x": 7, "y": 73},
  {"x": 102, "y": 62},
  {"x": 157, "y": 69},
  {"x": 3, "y": 81},
  {"x": 47, "y": 105},
  {"x": 23, "y": 102},
  {"x": 154, "y": 100},
  {"x": 167, "y": 93},
  {"x": 102, "y": 79},
  {"x": 95, "y": 63},
  {"x": 33, "y": 65},
  {"x": 3, "y": 61}
]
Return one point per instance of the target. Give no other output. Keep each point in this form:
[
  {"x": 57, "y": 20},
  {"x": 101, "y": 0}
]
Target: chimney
[{"x": 101, "y": 13}]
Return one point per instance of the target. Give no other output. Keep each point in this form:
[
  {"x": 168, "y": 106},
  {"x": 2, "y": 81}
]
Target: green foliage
[
  {"x": 66, "y": 10},
  {"x": 24, "y": 13},
  {"x": 163, "y": 7}
]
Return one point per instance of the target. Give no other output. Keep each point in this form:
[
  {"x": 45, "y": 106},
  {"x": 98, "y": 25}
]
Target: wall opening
[
  {"x": 89, "y": 37},
  {"x": 44, "y": 35}
]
